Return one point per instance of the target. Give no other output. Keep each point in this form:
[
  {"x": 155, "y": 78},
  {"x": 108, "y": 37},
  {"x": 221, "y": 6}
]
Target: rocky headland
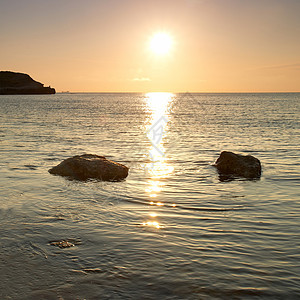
[{"x": 12, "y": 83}]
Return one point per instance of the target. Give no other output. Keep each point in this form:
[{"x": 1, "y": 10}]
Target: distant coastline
[{"x": 13, "y": 83}]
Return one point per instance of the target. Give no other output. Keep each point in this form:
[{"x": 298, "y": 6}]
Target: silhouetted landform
[
  {"x": 12, "y": 83},
  {"x": 83, "y": 167},
  {"x": 231, "y": 165}
]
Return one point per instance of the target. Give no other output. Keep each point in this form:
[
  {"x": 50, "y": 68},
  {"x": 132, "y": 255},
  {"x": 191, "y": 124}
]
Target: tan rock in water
[
  {"x": 233, "y": 164},
  {"x": 83, "y": 167}
]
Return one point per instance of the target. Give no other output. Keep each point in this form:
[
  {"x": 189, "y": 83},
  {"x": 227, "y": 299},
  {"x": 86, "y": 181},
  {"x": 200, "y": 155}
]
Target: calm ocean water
[{"x": 172, "y": 229}]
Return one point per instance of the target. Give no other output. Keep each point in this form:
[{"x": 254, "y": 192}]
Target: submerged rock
[
  {"x": 83, "y": 167},
  {"x": 65, "y": 243},
  {"x": 232, "y": 164}
]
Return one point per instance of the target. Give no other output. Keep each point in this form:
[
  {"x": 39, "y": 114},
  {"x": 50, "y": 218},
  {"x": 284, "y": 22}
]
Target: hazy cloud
[
  {"x": 281, "y": 67},
  {"x": 141, "y": 79}
]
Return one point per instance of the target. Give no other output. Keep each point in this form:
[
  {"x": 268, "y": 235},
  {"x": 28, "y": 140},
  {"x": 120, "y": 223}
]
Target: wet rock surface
[
  {"x": 86, "y": 166},
  {"x": 230, "y": 164},
  {"x": 67, "y": 243}
]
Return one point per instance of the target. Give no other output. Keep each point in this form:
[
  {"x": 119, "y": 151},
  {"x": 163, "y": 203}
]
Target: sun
[{"x": 161, "y": 43}]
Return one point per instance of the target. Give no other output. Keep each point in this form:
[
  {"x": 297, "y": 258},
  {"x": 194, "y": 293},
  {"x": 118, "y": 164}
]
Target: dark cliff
[{"x": 12, "y": 83}]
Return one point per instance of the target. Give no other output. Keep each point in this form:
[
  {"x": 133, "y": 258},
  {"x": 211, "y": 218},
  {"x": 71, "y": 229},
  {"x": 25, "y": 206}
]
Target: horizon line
[{"x": 186, "y": 92}]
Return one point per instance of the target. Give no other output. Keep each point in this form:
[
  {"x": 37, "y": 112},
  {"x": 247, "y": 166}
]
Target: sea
[{"x": 173, "y": 229}]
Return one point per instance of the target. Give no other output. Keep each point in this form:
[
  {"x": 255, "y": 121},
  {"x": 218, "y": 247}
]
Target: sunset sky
[{"x": 105, "y": 46}]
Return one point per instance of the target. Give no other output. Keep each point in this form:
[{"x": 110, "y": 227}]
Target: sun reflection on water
[
  {"x": 157, "y": 167},
  {"x": 159, "y": 104},
  {"x": 152, "y": 224}
]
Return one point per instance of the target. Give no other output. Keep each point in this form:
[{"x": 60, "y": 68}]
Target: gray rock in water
[
  {"x": 83, "y": 167},
  {"x": 231, "y": 164}
]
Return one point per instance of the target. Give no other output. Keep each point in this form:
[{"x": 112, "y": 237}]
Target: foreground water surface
[{"x": 172, "y": 229}]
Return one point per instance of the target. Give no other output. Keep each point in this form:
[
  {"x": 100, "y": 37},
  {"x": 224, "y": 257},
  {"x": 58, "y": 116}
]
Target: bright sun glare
[{"x": 161, "y": 43}]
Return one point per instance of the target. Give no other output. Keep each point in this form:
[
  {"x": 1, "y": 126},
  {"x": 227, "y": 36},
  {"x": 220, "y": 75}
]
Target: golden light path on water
[{"x": 159, "y": 104}]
